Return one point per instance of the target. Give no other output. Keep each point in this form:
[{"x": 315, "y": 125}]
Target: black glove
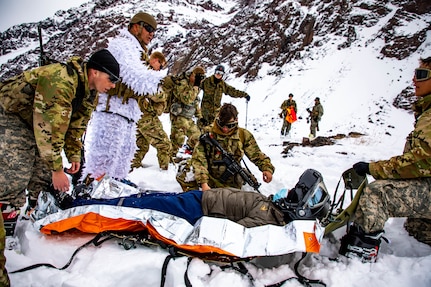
[
  {"x": 247, "y": 98},
  {"x": 203, "y": 121},
  {"x": 308, "y": 110},
  {"x": 362, "y": 168}
]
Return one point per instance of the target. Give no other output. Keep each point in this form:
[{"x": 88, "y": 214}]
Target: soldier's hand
[
  {"x": 247, "y": 98},
  {"x": 74, "y": 168},
  {"x": 60, "y": 181},
  {"x": 205, "y": 186},
  {"x": 267, "y": 176},
  {"x": 362, "y": 168}
]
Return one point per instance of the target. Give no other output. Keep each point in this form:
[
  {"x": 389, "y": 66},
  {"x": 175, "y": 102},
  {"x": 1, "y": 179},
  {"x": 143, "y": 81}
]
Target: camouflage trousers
[
  {"x": 382, "y": 199},
  {"x": 151, "y": 132},
  {"x": 21, "y": 166},
  {"x": 314, "y": 125},
  {"x": 285, "y": 129},
  {"x": 180, "y": 128},
  {"x": 4, "y": 278}
]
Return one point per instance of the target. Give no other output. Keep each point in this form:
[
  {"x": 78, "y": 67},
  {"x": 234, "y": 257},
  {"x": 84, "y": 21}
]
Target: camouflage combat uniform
[
  {"x": 403, "y": 183},
  {"x": 185, "y": 106},
  {"x": 285, "y": 129},
  {"x": 206, "y": 164},
  {"x": 40, "y": 115},
  {"x": 150, "y": 131},
  {"x": 213, "y": 92},
  {"x": 315, "y": 117}
]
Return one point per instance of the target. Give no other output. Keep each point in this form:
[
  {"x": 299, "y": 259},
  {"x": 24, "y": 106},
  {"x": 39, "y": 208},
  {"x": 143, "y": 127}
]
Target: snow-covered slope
[{"x": 357, "y": 56}]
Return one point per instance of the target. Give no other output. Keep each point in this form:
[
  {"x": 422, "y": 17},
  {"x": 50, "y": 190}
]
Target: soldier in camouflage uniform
[
  {"x": 205, "y": 169},
  {"x": 315, "y": 116},
  {"x": 214, "y": 87},
  {"x": 150, "y": 128},
  {"x": 185, "y": 106},
  {"x": 403, "y": 183},
  {"x": 289, "y": 103},
  {"x": 42, "y": 112}
]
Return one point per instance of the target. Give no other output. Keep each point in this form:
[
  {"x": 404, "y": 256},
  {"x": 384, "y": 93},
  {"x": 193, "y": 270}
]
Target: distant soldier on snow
[
  {"x": 150, "y": 128},
  {"x": 43, "y": 112},
  {"x": 285, "y": 106},
  {"x": 184, "y": 110},
  {"x": 111, "y": 139},
  {"x": 315, "y": 116},
  {"x": 402, "y": 186},
  {"x": 206, "y": 167},
  {"x": 214, "y": 87}
]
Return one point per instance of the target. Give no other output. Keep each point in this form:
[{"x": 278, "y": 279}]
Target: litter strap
[{"x": 97, "y": 240}]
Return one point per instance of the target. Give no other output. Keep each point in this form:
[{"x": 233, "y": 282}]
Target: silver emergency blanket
[{"x": 267, "y": 240}]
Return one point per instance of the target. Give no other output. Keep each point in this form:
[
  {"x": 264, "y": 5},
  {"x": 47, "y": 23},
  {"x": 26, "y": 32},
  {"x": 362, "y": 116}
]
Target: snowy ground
[{"x": 357, "y": 97}]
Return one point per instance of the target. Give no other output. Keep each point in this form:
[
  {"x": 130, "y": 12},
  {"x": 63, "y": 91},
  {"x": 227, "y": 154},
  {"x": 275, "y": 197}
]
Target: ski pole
[{"x": 246, "y": 113}]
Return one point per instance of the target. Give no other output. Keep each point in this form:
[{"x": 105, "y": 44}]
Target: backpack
[{"x": 17, "y": 94}]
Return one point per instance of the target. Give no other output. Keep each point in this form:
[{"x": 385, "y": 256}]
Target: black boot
[{"x": 357, "y": 243}]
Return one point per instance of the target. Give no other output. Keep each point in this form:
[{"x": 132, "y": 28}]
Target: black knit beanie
[{"x": 104, "y": 61}]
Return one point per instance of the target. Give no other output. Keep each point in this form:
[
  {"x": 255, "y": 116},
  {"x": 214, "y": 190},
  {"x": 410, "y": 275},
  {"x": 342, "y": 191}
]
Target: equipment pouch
[{"x": 176, "y": 109}]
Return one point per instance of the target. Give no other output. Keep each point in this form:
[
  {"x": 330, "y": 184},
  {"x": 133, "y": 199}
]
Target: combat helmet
[{"x": 308, "y": 200}]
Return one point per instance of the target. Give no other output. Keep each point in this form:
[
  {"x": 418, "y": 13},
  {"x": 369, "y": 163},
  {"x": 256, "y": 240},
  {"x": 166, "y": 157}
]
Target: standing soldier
[
  {"x": 213, "y": 88},
  {"x": 111, "y": 139},
  {"x": 43, "y": 112},
  {"x": 315, "y": 115},
  {"x": 287, "y": 104},
  {"x": 185, "y": 106},
  {"x": 150, "y": 128},
  {"x": 206, "y": 167}
]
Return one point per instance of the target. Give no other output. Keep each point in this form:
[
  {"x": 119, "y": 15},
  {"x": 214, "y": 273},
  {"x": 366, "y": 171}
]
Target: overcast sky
[{"x": 14, "y": 12}]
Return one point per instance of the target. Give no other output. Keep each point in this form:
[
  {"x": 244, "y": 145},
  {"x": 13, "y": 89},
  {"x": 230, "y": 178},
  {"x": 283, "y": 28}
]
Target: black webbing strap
[
  {"x": 97, "y": 240},
  {"x": 301, "y": 279}
]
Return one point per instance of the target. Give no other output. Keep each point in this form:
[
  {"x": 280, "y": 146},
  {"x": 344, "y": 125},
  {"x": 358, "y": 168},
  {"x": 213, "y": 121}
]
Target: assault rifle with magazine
[{"x": 232, "y": 166}]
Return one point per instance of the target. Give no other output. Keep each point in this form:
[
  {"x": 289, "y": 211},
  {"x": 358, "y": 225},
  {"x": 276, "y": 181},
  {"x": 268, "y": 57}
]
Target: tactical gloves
[
  {"x": 362, "y": 168},
  {"x": 247, "y": 98}
]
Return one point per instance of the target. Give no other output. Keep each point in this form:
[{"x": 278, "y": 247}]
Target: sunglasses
[
  {"x": 228, "y": 125},
  {"x": 147, "y": 27},
  {"x": 422, "y": 74},
  {"x": 112, "y": 78}
]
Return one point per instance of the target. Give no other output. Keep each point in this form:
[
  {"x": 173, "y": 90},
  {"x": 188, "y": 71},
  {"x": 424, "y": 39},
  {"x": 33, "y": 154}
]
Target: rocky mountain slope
[{"x": 245, "y": 34}]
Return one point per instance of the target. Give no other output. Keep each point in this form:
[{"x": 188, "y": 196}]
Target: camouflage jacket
[
  {"x": 206, "y": 159},
  {"x": 287, "y": 104},
  {"x": 47, "y": 103},
  {"x": 153, "y": 104},
  {"x": 213, "y": 92},
  {"x": 185, "y": 98},
  {"x": 246, "y": 208},
  {"x": 416, "y": 159},
  {"x": 317, "y": 112}
]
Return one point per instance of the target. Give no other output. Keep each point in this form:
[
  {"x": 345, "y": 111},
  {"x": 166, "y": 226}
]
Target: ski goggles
[
  {"x": 228, "y": 125},
  {"x": 147, "y": 27},
  {"x": 221, "y": 73},
  {"x": 422, "y": 74}
]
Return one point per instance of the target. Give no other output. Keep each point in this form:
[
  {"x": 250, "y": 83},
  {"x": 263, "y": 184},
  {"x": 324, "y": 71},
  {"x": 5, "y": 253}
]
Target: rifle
[
  {"x": 43, "y": 59},
  {"x": 232, "y": 166}
]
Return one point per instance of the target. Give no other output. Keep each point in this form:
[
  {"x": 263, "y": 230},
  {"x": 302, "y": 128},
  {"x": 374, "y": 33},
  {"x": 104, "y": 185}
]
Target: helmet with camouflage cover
[{"x": 144, "y": 17}]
